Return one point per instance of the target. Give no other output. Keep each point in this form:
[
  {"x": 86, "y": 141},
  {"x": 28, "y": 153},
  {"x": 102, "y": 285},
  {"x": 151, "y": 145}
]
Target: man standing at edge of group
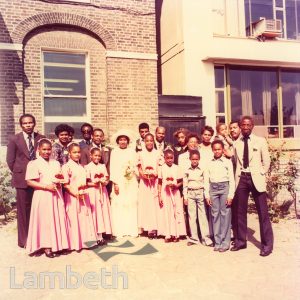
[
  {"x": 252, "y": 163},
  {"x": 20, "y": 150}
]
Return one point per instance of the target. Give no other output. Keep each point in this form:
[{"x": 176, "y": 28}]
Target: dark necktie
[
  {"x": 246, "y": 153},
  {"x": 31, "y": 148}
]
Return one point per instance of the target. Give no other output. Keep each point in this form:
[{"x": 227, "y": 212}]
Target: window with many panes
[
  {"x": 271, "y": 96},
  {"x": 288, "y": 11},
  {"x": 65, "y": 89}
]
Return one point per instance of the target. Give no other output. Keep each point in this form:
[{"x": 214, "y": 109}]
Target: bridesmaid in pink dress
[
  {"x": 98, "y": 178},
  {"x": 80, "y": 224},
  {"x": 148, "y": 205},
  {"x": 47, "y": 227},
  {"x": 172, "y": 224}
]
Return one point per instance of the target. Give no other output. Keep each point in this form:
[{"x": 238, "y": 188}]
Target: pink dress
[
  {"x": 82, "y": 233},
  {"x": 100, "y": 204},
  {"x": 171, "y": 219},
  {"x": 148, "y": 205},
  {"x": 47, "y": 227}
]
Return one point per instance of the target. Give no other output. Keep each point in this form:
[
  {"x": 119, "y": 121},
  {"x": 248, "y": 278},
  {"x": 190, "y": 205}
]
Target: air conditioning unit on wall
[{"x": 266, "y": 28}]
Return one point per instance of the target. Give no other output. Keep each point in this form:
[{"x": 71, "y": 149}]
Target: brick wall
[{"x": 122, "y": 91}]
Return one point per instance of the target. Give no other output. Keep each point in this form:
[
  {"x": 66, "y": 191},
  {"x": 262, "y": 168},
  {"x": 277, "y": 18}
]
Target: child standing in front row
[
  {"x": 171, "y": 222},
  {"x": 148, "y": 206},
  {"x": 81, "y": 229},
  {"x": 219, "y": 191},
  {"x": 193, "y": 193},
  {"x": 47, "y": 228},
  {"x": 98, "y": 178}
]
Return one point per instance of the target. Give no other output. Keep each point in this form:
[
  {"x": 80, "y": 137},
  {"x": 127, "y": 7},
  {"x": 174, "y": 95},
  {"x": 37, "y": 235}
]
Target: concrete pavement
[{"x": 175, "y": 271}]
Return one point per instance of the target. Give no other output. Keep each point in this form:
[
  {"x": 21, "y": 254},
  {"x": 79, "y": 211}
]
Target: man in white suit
[{"x": 252, "y": 163}]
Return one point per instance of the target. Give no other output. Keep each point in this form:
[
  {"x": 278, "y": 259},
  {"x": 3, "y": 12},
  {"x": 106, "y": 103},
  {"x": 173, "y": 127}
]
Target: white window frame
[
  {"x": 224, "y": 90},
  {"x": 275, "y": 9},
  {"x": 70, "y": 119}
]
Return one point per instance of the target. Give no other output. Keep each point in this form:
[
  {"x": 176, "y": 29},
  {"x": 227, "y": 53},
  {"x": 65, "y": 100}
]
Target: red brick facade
[{"x": 119, "y": 38}]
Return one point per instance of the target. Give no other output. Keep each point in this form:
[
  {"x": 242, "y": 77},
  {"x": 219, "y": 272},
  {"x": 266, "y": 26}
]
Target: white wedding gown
[{"x": 124, "y": 205}]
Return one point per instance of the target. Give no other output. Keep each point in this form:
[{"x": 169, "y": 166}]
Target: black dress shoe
[
  {"x": 265, "y": 253},
  {"x": 101, "y": 242},
  {"x": 50, "y": 254},
  {"x": 237, "y": 248}
]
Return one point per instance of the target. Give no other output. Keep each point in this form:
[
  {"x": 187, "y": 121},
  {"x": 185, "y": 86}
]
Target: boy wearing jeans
[
  {"x": 219, "y": 191},
  {"x": 193, "y": 185}
]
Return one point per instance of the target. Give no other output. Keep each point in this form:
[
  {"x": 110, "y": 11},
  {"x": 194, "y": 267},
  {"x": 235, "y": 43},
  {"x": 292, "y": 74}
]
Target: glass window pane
[
  {"x": 220, "y": 108},
  {"x": 288, "y": 132},
  {"x": 65, "y": 106},
  {"x": 261, "y": 8},
  {"x": 59, "y": 80},
  {"x": 220, "y": 119},
  {"x": 291, "y": 19},
  {"x": 298, "y": 20},
  {"x": 253, "y": 93},
  {"x": 279, "y": 3},
  {"x": 279, "y": 16},
  {"x": 65, "y": 58},
  {"x": 219, "y": 77},
  {"x": 290, "y": 81}
]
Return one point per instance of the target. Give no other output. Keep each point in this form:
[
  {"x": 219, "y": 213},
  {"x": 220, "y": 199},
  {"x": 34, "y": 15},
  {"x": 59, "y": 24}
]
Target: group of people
[{"x": 73, "y": 195}]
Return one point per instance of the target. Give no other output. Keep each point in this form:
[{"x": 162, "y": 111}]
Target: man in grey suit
[
  {"x": 252, "y": 163},
  {"x": 20, "y": 150}
]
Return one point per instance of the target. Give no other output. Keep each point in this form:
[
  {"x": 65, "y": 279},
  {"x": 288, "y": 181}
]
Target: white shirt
[
  {"x": 219, "y": 170},
  {"x": 27, "y": 140}
]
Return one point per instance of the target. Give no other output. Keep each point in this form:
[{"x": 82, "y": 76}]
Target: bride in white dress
[{"x": 123, "y": 172}]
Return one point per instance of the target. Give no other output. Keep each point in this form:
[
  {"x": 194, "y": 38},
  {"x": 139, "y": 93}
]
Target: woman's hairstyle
[
  {"x": 193, "y": 135},
  {"x": 207, "y": 128},
  {"x": 94, "y": 149},
  {"x": 168, "y": 151},
  {"x": 61, "y": 128},
  {"x": 71, "y": 130},
  {"x": 181, "y": 130},
  {"x": 120, "y": 136},
  {"x": 148, "y": 134},
  {"x": 217, "y": 142},
  {"x": 44, "y": 141},
  {"x": 194, "y": 152},
  {"x": 72, "y": 145}
]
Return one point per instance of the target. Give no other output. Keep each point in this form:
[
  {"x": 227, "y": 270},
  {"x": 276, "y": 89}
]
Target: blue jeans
[{"x": 221, "y": 214}]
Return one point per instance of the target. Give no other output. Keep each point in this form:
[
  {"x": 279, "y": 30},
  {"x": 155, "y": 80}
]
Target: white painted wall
[{"x": 213, "y": 32}]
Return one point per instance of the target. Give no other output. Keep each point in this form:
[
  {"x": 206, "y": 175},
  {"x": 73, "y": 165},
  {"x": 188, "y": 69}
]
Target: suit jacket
[
  {"x": 105, "y": 155},
  {"x": 259, "y": 160},
  {"x": 17, "y": 158}
]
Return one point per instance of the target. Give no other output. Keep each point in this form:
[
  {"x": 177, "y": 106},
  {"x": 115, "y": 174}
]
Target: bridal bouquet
[{"x": 129, "y": 171}]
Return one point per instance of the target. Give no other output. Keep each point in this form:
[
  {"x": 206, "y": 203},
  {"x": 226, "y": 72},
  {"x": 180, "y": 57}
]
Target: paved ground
[{"x": 175, "y": 271}]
